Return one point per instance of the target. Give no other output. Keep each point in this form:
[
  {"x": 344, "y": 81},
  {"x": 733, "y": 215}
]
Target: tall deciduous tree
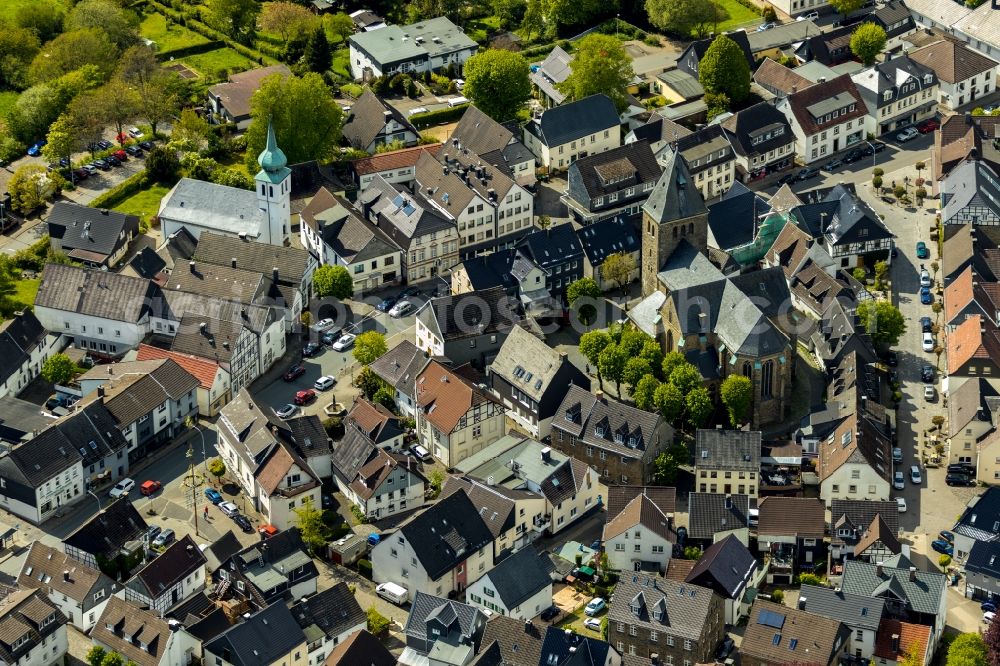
[
  {"x": 686, "y": 378},
  {"x": 235, "y": 18},
  {"x": 318, "y": 55},
  {"x": 58, "y": 369},
  {"x": 600, "y": 65},
  {"x": 30, "y": 187},
  {"x": 72, "y": 50},
  {"x": 867, "y": 42},
  {"x": 671, "y": 361},
  {"x": 286, "y": 19},
  {"x": 309, "y": 520},
  {"x": 699, "y": 406},
  {"x": 339, "y": 25},
  {"x": 120, "y": 105},
  {"x": 644, "y": 393},
  {"x": 120, "y": 25},
  {"x": 497, "y": 82},
  {"x": 45, "y": 19},
  {"x": 586, "y": 291},
  {"x": 533, "y": 22},
  {"x": 333, "y": 281},
  {"x": 737, "y": 395},
  {"x": 882, "y": 320},
  {"x": 619, "y": 268},
  {"x": 369, "y": 346},
  {"x": 592, "y": 343},
  {"x": 158, "y": 89},
  {"x": 635, "y": 369},
  {"x": 724, "y": 69},
  {"x": 682, "y": 17},
  {"x": 18, "y": 47},
  {"x": 307, "y": 122},
  {"x": 845, "y": 7},
  {"x": 611, "y": 363},
  {"x": 669, "y": 402},
  {"x": 967, "y": 650}
]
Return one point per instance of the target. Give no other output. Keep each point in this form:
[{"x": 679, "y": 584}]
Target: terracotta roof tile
[
  {"x": 973, "y": 338},
  {"x": 952, "y": 61},
  {"x": 369, "y": 417},
  {"x": 877, "y": 531},
  {"x": 913, "y": 640},
  {"x": 778, "y": 78},
  {"x": 640, "y": 511},
  {"x": 842, "y": 85},
  {"x": 203, "y": 370},
  {"x": 792, "y": 516},
  {"x": 958, "y": 294},
  {"x": 446, "y": 396},
  {"x": 397, "y": 159}
]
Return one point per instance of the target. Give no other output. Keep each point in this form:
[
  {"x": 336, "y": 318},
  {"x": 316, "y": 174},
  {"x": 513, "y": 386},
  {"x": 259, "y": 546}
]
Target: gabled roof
[
  {"x": 822, "y": 98},
  {"x": 96, "y": 293},
  {"x": 261, "y": 639},
  {"x": 897, "y": 640},
  {"x": 331, "y": 612},
  {"x": 690, "y": 59},
  {"x": 952, "y": 61},
  {"x": 292, "y": 263},
  {"x": 984, "y": 559},
  {"x": 859, "y": 514},
  {"x": 202, "y": 369},
  {"x": 133, "y": 392},
  {"x": 758, "y": 129},
  {"x": 885, "y": 83},
  {"x": 779, "y": 79},
  {"x": 973, "y": 183},
  {"x": 606, "y": 237},
  {"x": 130, "y": 625},
  {"x": 106, "y": 533},
  {"x": 44, "y": 568},
  {"x": 520, "y": 643},
  {"x": 675, "y": 196},
  {"x": 527, "y": 363},
  {"x": 565, "y": 648},
  {"x": 361, "y": 647},
  {"x": 710, "y": 513},
  {"x": 471, "y": 314},
  {"x": 877, "y": 532},
  {"x": 400, "y": 366},
  {"x": 727, "y": 563},
  {"x": 180, "y": 560},
  {"x": 782, "y": 635},
  {"x": 920, "y": 591},
  {"x": 665, "y": 498},
  {"x": 630, "y": 165},
  {"x": 520, "y": 577},
  {"x": 18, "y": 338},
  {"x": 974, "y": 338},
  {"x": 801, "y": 517},
  {"x": 405, "y": 216},
  {"x": 727, "y": 449},
  {"x": 494, "y": 504},
  {"x": 971, "y": 401},
  {"x": 551, "y": 72},
  {"x": 367, "y": 118},
  {"x": 446, "y": 534},
  {"x": 856, "y": 611},
  {"x": 568, "y": 122},
  {"x": 857, "y": 440},
  {"x": 393, "y": 160},
  {"x": 426, "y": 606},
  {"x": 966, "y": 247},
  {"x": 640, "y": 511},
  {"x": 981, "y": 519},
  {"x": 680, "y": 609},
  {"x": 235, "y": 93},
  {"x": 89, "y": 233},
  {"x": 446, "y": 396}
]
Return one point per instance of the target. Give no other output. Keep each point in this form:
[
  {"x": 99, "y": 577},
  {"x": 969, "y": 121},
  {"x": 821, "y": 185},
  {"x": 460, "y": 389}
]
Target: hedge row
[
  {"x": 189, "y": 19},
  {"x": 749, "y": 4},
  {"x": 445, "y": 115},
  {"x": 545, "y": 49},
  {"x": 177, "y": 54},
  {"x": 121, "y": 191}
]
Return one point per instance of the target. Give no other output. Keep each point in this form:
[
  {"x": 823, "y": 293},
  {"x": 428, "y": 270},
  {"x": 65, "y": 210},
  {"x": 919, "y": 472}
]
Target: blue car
[
  {"x": 36, "y": 149},
  {"x": 942, "y": 546},
  {"x": 386, "y": 304},
  {"x": 988, "y": 607},
  {"x": 922, "y": 251},
  {"x": 925, "y": 296},
  {"x": 213, "y": 495}
]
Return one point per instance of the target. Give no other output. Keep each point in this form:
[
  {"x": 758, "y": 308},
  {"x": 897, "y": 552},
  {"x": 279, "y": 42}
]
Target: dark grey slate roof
[
  {"x": 984, "y": 559},
  {"x": 690, "y": 59},
  {"x": 607, "y": 237},
  {"x": 597, "y": 175},
  {"x": 981, "y": 520},
  {"x": 106, "y": 533},
  {"x": 727, "y": 449},
  {"x": 568, "y": 122},
  {"x": 893, "y": 14},
  {"x": 491, "y": 270},
  {"x": 858, "y": 514},
  {"x": 683, "y": 607},
  {"x": 400, "y": 366},
  {"x": 402, "y": 215},
  {"x": 520, "y": 644},
  {"x": 95, "y": 230},
  {"x": 260, "y": 640},
  {"x": 565, "y": 648},
  {"x": 446, "y": 533},
  {"x": 425, "y": 606},
  {"x": 611, "y": 425},
  {"x": 367, "y": 118},
  {"x": 333, "y": 611},
  {"x": 856, "y": 611},
  {"x": 971, "y": 183},
  {"x": 726, "y": 566},
  {"x": 675, "y": 195},
  {"x": 97, "y": 293},
  {"x": 758, "y": 129},
  {"x": 853, "y": 220},
  {"x": 471, "y": 314},
  {"x": 291, "y": 262},
  {"x": 18, "y": 337},
  {"x": 147, "y": 263},
  {"x": 552, "y": 246},
  {"x": 519, "y": 577},
  {"x": 39, "y": 459},
  {"x": 890, "y": 77},
  {"x": 181, "y": 559},
  {"x": 921, "y": 595},
  {"x": 735, "y": 219},
  {"x": 710, "y": 513}
]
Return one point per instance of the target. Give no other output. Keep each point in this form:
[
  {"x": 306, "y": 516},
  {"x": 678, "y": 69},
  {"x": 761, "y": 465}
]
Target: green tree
[
  {"x": 287, "y": 20},
  {"x": 508, "y": 12},
  {"x": 653, "y": 354},
  {"x": 120, "y": 25},
  {"x": 665, "y": 467},
  {"x": 18, "y": 47},
  {"x": 692, "y": 553},
  {"x": 339, "y": 25},
  {"x": 633, "y": 341},
  {"x": 385, "y": 396},
  {"x": 592, "y": 343},
  {"x": 318, "y": 55},
  {"x": 669, "y": 402},
  {"x": 70, "y": 51},
  {"x": 217, "y": 468},
  {"x": 619, "y": 268},
  {"x": 30, "y": 187},
  {"x": 309, "y": 520},
  {"x": 644, "y": 393},
  {"x": 437, "y": 480},
  {"x": 378, "y": 624},
  {"x": 587, "y": 289},
  {"x": 8, "y": 288},
  {"x": 682, "y": 17},
  {"x": 671, "y": 361},
  {"x": 724, "y": 69},
  {"x": 191, "y": 131},
  {"x": 600, "y": 65},
  {"x": 95, "y": 655},
  {"x": 306, "y": 120},
  {"x": 686, "y": 378},
  {"x": 845, "y": 7},
  {"x": 120, "y": 105},
  {"x": 717, "y": 103},
  {"x": 58, "y": 369},
  {"x": 62, "y": 140},
  {"x": 45, "y": 19},
  {"x": 882, "y": 320},
  {"x": 497, "y": 81},
  {"x": 162, "y": 164},
  {"x": 635, "y": 369},
  {"x": 867, "y": 41},
  {"x": 369, "y": 346},
  {"x": 699, "y": 406},
  {"x": 335, "y": 281},
  {"x": 967, "y": 650},
  {"x": 811, "y": 579},
  {"x": 611, "y": 364},
  {"x": 533, "y": 23},
  {"x": 737, "y": 395},
  {"x": 158, "y": 89},
  {"x": 235, "y": 18}
]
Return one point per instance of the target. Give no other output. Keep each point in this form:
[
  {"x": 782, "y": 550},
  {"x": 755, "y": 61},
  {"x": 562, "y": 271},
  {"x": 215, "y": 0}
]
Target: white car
[
  {"x": 592, "y": 623},
  {"x": 901, "y": 504},
  {"x": 229, "y": 508},
  {"x": 122, "y": 488},
  {"x": 988, "y": 617},
  {"x": 346, "y": 341},
  {"x": 460, "y": 83},
  {"x": 925, "y": 278},
  {"x": 324, "y": 383},
  {"x": 808, "y": 17},
  {"x": 898, "y": 482},
  {"x": 419, "y": 109},
  {"x": 915, "y": 475},
  {"x": 907, "y": 134},
  {"x": 929, "y": 393},
  {"x": 323, "y": 325},
  {"x": 928, "y": 343},
  {"x": 134, "y": 132},
  {"x": 401, "y": 309}
]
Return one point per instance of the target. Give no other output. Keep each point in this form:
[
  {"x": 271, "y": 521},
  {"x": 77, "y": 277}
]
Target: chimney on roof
[
  {"x": 795, "y": 88},
  {"x": 547, "y": 454},
  {"x": 895, "y": 642},
  {"x": 387, "y": 116},
  {"x": 66, "y": 575},
  {"x": 274, "y": 273},
  {"x": 821, "y": 79},
  {"x": 233, "y": 262},
  {"x": 192, "y": 266},
  {"x": 729, "y": 501},
  {"x": 878, "y": 569},
  {"x": 913, "y": 574},
  {"x": 802, "y": 603},
  {"x": 600, "y": 395},
  {"x": 527, "y": 626},
  {"x": 100, "y": 391},
  {"x": 968, "y": 118}
]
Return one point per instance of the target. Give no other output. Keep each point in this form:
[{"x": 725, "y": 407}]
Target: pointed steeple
[
  {"x": 272, "y": 161},
  {"x": 675, "y": 195}
]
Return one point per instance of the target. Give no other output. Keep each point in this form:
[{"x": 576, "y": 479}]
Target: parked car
[
  {"x": 725, "y": 649},
  {"x": 164, "y": 538},
  {"x": 595, "y": 606},
  {"x": 324, "y": 383},
  {"x": 927, "y": 374},
  {"x": 764, "y": 26},
  {"x": 807, "y": 17},
  {"x": 149, "y": 487},
  {"x": 345, "y": 342},
  {"x": 942, "y": 547},
  {"x": 36, "y": 149},
  {"x": 925, "y": 278},
  {"x": 926, "y": 324},
  {"x": 134, "y": 151},
  {"x": 897, "y": 454},
  {"x": 891, "y": 359},
  {"x": 915, "y": 475},
  {"x": 228, "y": 508},
  {"x": 417, "y": 110},
  {"x": 922, "y": 251},
  {"x": 875, "y": 147},
  {"x": 386, "y": 303},
  {"x": 855, "y": 155},
  {"x": 101, "y": 164},
  {"x": 927, "y": 343},
  {"x": 294, "y": 373},
  {"x": 243, "y": 522},
  {"x": 988, "y": 616},
  {"x": 807, "y": 173},
  {"x": 122, "y": 488},
  {"x": 401, "y": 309},
  {"x": 926, "y": 298},
  {"x": 311, "y": 349},
  {"x": 988, "y": 607},
  {"x": 305, "y": 396},
  {"x": 152, "y": 532},
  {"x": 930, "y": 393},
  {"x": 213, "y": 495},
  {"x": 460, "y": 83},
  {"x": 901, "y": 504},
  {"x": 787, "y": 178},
  {"x": 134, "y": 132},
  {"x": 104, "y": 144},
  {"x": 550, "y": 613},
  {"x": 907, "y": 135},
  {"x": 324, "y": 325},
  {"x": 81, "y": 174},
  {"x": 898, "y": 482},
  {"x": 947, "y": 536},
  {"x": 958, "y": 479},
  {"x": 286, "y": 411},
  {"x": 146, "y": 145},
  {"x": 833, "y": 165},
  {"x": 592, "y": 623},
  {"x": 111, "y": 160},
  {"x": 928, "y": 126}
]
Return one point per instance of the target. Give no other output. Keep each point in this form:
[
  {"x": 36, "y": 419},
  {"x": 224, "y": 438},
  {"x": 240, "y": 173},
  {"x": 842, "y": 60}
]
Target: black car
[
  {"x": 891, "y": 359},
  {"x": 550, "y": 613},
  {"x": 113, "y": 161},
  {"x": 832, "y": 165},
  {"x": 104, "y": 144},
  {"x": 926, "y": 324},
  {"x": 927, "y": 374},
  {"x": 807, "y": 173},
  {"x": 103, "y": 165},
  {"x": 134, "y": 151},
  {"x": 786, "y": 179},
  {"x": 955, "y": 479},
  {"x": 146, "y": 145},
  {"x": 854, "y": 156},
  {"x": 960, "y": 468},
  {"x": 311, "y": 349},
  {"x": 243, "y": 522}
]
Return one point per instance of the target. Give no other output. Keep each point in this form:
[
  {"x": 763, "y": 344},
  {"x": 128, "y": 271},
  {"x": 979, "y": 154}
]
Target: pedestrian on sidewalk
[{"x": 206, "y": 513}]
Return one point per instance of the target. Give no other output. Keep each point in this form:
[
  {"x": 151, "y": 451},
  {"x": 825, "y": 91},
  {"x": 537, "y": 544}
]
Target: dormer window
[
  {"x": 635, "y": 609},
  {"x": 657, "y": 615},
  {"x": 619, "y": 438},
  {"x": 887, "y": 95},
  {"x": 928, "y": 78},
  {"x": 599, "y": 431}
]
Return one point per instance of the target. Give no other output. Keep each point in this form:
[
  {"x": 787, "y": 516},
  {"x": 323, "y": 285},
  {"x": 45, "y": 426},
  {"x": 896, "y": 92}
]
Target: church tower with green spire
[{"x": 274, "y": 192}]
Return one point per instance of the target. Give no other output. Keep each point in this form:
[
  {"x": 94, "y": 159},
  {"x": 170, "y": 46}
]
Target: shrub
[
  {"x": 365, "y": 568},
  {"x": 944, "y": 561},
  {"x": 358, "y": 514},
  {"x": 878, "y": 172},
  {"x": 921, "y": 193},
  {"x": 877, "y": 182},
  {"x": 122, "y": 191},
  {"x": 352, "y": 90},
  {"x": 811, "y": 579},
  {"x": 778, "y": 596},
  {"x": 445, "y": 115}
]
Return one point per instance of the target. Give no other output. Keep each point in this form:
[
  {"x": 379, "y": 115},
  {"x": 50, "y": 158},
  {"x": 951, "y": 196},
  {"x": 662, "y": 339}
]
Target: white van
[
  {"x": 397, "y": 594},
  {"x": 419, "y": 109},
  {"x": 456, "y": 101},
  {"x": 421, "y": 453}
]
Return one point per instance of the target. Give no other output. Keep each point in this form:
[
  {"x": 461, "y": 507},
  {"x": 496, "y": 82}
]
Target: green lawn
[
  {"x": 210, "y": 63},
  {"x": 574, "y": 621},
  {"x": 476, "y": 30},
  {"x": 145, "y": 203},
  {"x": 342, "y": 63},
  {"x": 154, "y": 27},
  {"x": 738, "y": 15},
  {"x": 8, "y": 8},
  {"x": 7, "y": 100},
  {"x": 26, "y": 291}
]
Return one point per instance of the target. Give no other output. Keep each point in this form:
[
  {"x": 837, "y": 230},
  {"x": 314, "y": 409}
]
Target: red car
[
  {"x": 149, "y": 487},
  {"x": 302, "y": 397},
  {"x": 294, "y": 373},
  {"x": 928, "y": 126}
]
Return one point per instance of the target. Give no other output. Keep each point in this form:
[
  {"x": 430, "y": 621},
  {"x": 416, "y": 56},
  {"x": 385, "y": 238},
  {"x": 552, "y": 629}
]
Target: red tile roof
[
  {"x": 446, "y": 396},
  {"x": 973, "y": 338},
  {"x": 958, "y": 294},
  {"x": 397, "y": 159},
  {"x": 202, "y": 369},
  {"x": 913, "y": 640},
  {"x": 822, "y": 91}
]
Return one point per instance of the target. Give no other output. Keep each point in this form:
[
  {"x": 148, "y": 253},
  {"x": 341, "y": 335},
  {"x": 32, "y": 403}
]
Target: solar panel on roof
[{"x": 771, "y": 619}]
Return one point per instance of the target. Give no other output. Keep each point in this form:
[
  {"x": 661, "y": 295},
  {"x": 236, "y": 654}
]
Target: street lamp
[{"x": 91, "y": 493}]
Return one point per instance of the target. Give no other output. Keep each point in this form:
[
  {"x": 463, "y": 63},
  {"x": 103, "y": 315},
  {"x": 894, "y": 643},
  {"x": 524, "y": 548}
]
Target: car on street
[
  {"x": 228, "y": 508},
  {"x": 149, "y": 487},
  {"x": 122, "y": 488},
  {"x": 311, "y": 349},
  {"x": 927, "y": 342},
  {"x": 926, "y": 324},
  {"x": 324, "y": 383},
  {"x": 595, "y": 606},
  {"x": 907, "y": 135},
  {"x": 925, "y": 278},
  {"x": 152, "y": 532},
  {"x": 925, "y": 296},
  {"x": 286, "y": 412},
  {"x": 415, "y": 111},
  {"x": 930, "y": 393},
  {"x": 592, "y": 623},
  {"x": 898, "y": 482},
  {"x": 807, "y": 173},
  {"x": 855, "y": 155},
  {"x": 833, "y": 165},
  {"x": 988, "y": 616},
  {"x": 36, "y": 149},
  {"x": 922, "y": 251},
  {"x": 345, "y": 342},
  {"x": 901, "y": 504},
  {"x": 213, "y": 495},
  {"x": 386, "y": 303},
  {"x": 787, "y": 179},
  {"x": 942, "y": 547},
  {"x": 807, "y": 17},
  {"x": 958, "y": 479},
  {"x": 875, "y": 147},
  {"x": 915, "y": 475},
  {"x": 928, "y": 126},
  {"x": 988, "y": 607},
  {"x": 897, "y": 454},
  {"x": 324, "y": 325},
  {"x": 961, "y": 468},
  {"x": 243, "y": 522},
  {"x": 294, "y": 373},
  {"x": 927, "y": 374},
  {"x": 947, "y": 536},
  {"x": 550, "y": 613},
  {"x": 401, "y": 309},
  {"x": 305, "y": 396},
  {"x": 891, "y": 359},
  {"x": 164, "y": 538},
  {"x": 764, "y": 26}
]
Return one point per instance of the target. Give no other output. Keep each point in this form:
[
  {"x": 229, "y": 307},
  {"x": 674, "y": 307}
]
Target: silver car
[{"x": 401, "y": 309}]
